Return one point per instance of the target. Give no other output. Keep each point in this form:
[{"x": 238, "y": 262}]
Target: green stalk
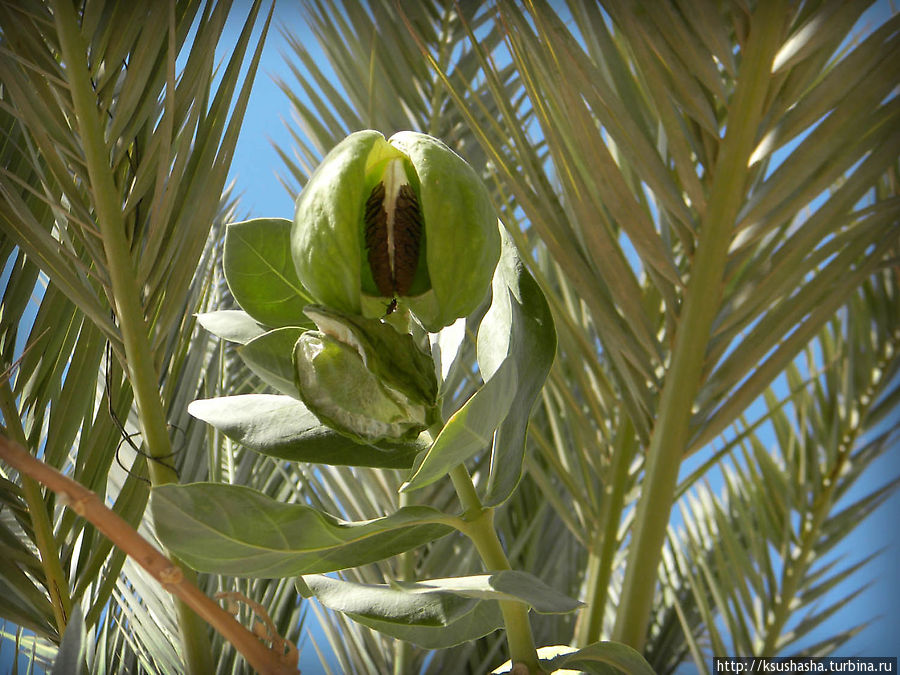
[
  {"x": 57, "y": 586},
  {"x": 126, "y": 297},
  {"x": 479, "y": 527},
  {"x": 465, "y": 489},
  {"x": 602, "y": 556},
  {"x": 702, "y": 300}
]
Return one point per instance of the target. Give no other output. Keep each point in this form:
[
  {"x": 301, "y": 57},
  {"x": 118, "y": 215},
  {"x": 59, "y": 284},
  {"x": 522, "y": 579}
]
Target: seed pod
[{"x": 403, "y": 221}]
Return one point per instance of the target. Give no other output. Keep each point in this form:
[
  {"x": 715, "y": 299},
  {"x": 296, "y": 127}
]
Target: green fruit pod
[{"x": 400, "y": 222}]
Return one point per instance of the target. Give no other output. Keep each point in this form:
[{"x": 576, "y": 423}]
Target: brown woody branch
[{"x": 88, "y": 505}]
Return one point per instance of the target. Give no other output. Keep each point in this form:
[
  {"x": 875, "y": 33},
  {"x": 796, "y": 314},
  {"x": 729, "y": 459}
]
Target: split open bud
[
  {"x": 364, "y": 379},
  {"x": 400, "y": 221}
]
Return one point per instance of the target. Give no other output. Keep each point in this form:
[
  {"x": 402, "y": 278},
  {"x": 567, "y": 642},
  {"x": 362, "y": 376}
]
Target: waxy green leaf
[
  {"x": 269, "y": 356},
  {"x": 518, "y": 327},
  {"x": 281, "y": 426},
  {"x": 502, "y": 585},
  {"x": 602, "y": 658},
  {"x": 445, "y": 348},
  {"x": 436, "y": 613},
  {"x": 468, "y": 431},
  {"x": 234, "y": 325},
  {"x": 231, "y": 529},
  {"x": 432, "y": 618},
  {"x": 260, "y": 271}
]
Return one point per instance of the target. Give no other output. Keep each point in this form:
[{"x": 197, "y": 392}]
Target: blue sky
[{"x": 256, "y": 164}]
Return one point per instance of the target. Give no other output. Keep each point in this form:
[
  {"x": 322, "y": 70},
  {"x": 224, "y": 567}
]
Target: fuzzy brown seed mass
[{"x": 393, "y": 267}]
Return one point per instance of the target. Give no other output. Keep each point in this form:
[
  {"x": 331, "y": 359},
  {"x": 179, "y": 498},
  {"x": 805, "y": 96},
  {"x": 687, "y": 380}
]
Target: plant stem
[
  {"x": 479, "y": 527},
  {"x": 702, "y": 300},
  {"x": 126, "y": 294},
  {"x": 465, "y": 489},
  {"x": 57, "y": 586}
]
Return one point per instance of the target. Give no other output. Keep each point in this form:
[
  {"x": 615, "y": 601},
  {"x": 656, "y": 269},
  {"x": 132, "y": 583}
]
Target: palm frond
[
  {"x": 158, "y": 169},
  {"x": 764, "y": 555},
  {"x": 374, "y": 77}
]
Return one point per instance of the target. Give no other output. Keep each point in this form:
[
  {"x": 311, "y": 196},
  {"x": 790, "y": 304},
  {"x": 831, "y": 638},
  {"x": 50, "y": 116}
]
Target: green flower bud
[
  {"x": 404, "y": 219},
  {"x": 363, "y": 379}
]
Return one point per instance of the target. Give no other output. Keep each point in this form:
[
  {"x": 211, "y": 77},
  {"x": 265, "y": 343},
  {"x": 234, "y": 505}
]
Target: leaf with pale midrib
[
  {"x": 282, "y": 427},
  {"x": 260, "y": 271},
  {"x": 231, "y": 529}
]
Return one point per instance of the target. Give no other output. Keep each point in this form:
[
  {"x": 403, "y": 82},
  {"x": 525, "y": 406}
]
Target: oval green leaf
[
  {"x": 281, "y": 426},
  {"x": 231, "y": 529},
  {"x": 601, "y": 658},
  {"x": 468, "y": 431},
  {"x": 269, "y": 357},
  {"x": 527, "y": 588},
  {"x": 234, "y": 325},
  {"x": 260, "y": 271},
  {"x": 517, "y": 327},
  {"x": 435, "y": 619},
  {"x": 445, "y": 347},
  {"x": 502, "y": 585}
]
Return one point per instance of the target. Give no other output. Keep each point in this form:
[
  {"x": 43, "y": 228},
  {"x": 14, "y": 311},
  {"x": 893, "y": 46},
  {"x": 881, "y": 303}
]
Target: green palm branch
[{"x": 118, "y": 132}]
